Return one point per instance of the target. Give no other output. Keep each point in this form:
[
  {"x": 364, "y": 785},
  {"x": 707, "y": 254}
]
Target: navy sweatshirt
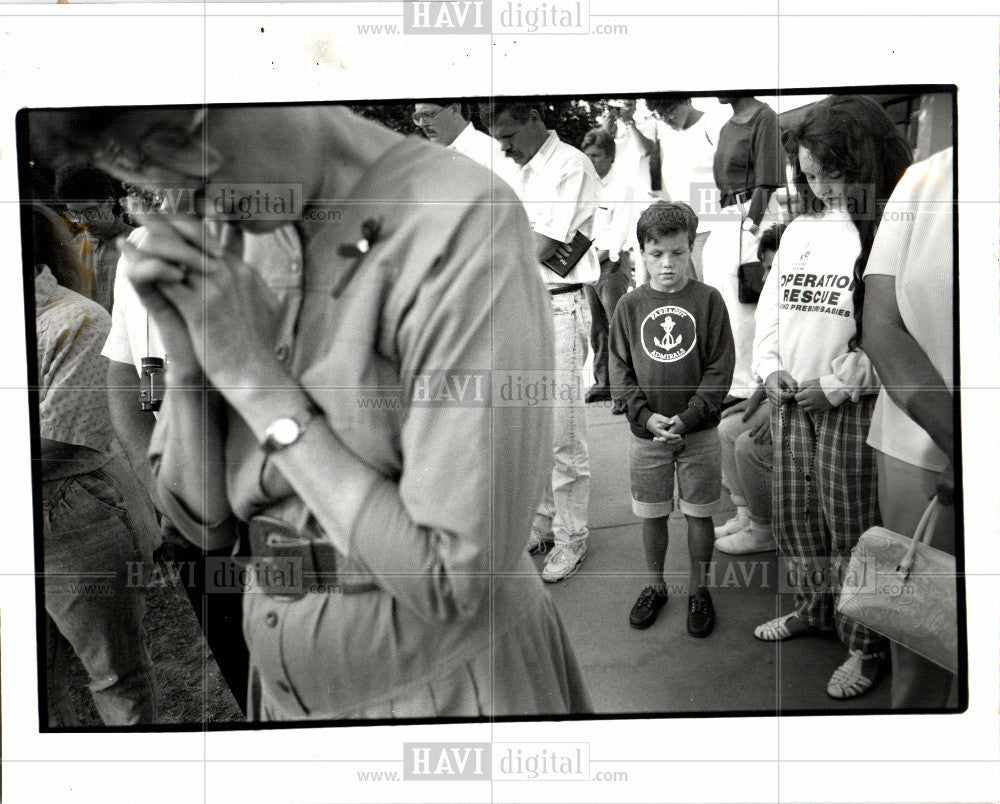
[{"x": 672, "y": 354}]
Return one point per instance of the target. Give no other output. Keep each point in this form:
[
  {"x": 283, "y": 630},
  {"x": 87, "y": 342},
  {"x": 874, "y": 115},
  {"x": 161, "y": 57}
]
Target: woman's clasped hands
[{"x": 210, "y": 307}]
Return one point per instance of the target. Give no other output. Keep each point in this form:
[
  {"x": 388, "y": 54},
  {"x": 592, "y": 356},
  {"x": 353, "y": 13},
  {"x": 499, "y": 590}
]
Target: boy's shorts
[{"x": 699, "y": 475}]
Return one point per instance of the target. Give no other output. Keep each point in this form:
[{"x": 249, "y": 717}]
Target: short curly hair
[
  {"x": 770, "y": 239},
  {"x": 665, "y": 105},
  {"x": 600, "y": 138},
  {"x": 665, "y": 219}
]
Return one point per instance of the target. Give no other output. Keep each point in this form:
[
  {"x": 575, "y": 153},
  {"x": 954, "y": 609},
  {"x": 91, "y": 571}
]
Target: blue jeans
[
  {"x": 563, "y": 508},
  {"x": 99, "y": 534}
]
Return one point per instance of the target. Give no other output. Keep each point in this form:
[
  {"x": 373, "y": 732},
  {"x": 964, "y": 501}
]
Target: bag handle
[{"x": 923, "y": 533}]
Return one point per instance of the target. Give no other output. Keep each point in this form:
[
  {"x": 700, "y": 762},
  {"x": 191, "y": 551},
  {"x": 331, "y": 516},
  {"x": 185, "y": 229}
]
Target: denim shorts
[{"x": 698, "y": 469}]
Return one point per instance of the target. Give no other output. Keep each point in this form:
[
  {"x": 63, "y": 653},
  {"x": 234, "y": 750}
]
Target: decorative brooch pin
[
  {"x": 370, "y": 229},
  {"x": 369, "y": 234}
]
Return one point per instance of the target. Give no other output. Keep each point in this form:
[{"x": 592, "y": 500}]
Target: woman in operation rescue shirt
[{"x": 351, "y": 423}]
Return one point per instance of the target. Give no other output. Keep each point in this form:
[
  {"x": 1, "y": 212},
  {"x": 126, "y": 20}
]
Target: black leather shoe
[
  {"x": 701, "y": 614},
  {"x": 650, "y": 601},
  {"x": 597, "y": 394}
]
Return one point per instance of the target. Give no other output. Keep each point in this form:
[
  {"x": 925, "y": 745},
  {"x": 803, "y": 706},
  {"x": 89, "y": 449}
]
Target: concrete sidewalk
[{"x": 662, "y": 669}]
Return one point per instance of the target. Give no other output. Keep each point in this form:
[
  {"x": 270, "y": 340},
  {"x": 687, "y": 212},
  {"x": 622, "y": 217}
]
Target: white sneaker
[
  {"x": 755, "y": 538},
  {"x": 562, "y": 562},
  {"x": 739, "y": 522}
]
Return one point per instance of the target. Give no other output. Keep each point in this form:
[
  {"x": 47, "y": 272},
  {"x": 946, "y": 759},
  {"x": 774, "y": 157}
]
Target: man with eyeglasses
[{"x": 447, "y": 122}]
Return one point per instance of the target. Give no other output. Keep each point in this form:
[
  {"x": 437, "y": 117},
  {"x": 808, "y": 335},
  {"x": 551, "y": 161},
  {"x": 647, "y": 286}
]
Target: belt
[
  {"x": 558, "y": 290},
  {"x": 288, "y": 564}
]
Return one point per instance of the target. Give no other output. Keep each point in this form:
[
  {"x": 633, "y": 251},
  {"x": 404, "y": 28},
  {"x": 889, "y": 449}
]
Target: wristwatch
[
  {"x": 282, "y": 433},
  {"x": 750, "y": 226}
]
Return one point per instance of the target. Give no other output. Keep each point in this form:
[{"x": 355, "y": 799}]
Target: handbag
[
  {"x": 904, "y": 589},
  {"x": 750, "y": 271},
  {"x": 750, "y": 281}
]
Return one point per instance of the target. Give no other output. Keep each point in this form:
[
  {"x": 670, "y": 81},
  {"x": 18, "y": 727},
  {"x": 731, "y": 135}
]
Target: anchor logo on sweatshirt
[
  {"x": 668, "y": 342},
  {"x": 668, "y": 334}
]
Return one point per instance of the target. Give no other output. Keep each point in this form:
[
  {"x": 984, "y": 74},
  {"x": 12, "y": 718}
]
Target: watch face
[{"x": 285, "y": 431}]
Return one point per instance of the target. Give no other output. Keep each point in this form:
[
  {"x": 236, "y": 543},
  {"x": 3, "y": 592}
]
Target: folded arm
[{"x": 624, "y": 385}]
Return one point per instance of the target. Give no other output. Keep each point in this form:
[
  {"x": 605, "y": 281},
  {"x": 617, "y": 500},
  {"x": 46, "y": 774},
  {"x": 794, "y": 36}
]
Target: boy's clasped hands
[{"x": 667, "y": 430}]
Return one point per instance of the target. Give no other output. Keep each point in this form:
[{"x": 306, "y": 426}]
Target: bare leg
[
  {"x": 701, "y": 544},
  {"x": 655, "y": 538}
]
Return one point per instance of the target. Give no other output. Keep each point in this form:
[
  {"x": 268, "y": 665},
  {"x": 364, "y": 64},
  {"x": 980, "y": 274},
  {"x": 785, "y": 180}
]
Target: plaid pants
[{"x": 825, "y": 495}]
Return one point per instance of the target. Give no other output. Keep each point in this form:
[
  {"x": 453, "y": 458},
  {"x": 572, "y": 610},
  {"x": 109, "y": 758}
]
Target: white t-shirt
[
  {"x": 686, "y": 166},
  {"x": 133, "y": 336},
  {"x": 917, "y": 251},
  {"x": 805, "y": 316},
  {"x": 617, "y": 214},
  {"x": 561, "y": 192},
  {"x": 484, "y": 150}
]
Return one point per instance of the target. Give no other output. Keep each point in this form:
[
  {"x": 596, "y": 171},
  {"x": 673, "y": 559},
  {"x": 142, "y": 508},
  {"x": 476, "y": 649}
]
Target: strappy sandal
[
  {"x": 854, "y": 677},
  {"x": 777, "y": 629}
]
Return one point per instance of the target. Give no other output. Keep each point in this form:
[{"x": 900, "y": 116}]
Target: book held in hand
[{"x": 568, "y": 254}]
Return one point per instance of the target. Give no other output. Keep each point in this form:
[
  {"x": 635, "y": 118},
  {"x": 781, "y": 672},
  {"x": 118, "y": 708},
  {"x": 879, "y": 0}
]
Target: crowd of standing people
[{"x": 784, "y": 360}]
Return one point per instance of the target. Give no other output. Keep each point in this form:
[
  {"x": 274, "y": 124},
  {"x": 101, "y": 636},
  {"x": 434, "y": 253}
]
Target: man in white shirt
[
  {"x": 688, "y": 137},
  {"x": 614, "y": 237},
  {"x": 446, "y": 122},
  {"x": 560, "y": 190},
  {"x": 633, "y": 149},
  {"x": 636, "y": 149}
]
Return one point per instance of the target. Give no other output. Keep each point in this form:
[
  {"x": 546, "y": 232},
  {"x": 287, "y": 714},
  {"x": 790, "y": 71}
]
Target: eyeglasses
[
  {"x": 426, "y": 117},
  {"x": 158, "y": 154}
]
